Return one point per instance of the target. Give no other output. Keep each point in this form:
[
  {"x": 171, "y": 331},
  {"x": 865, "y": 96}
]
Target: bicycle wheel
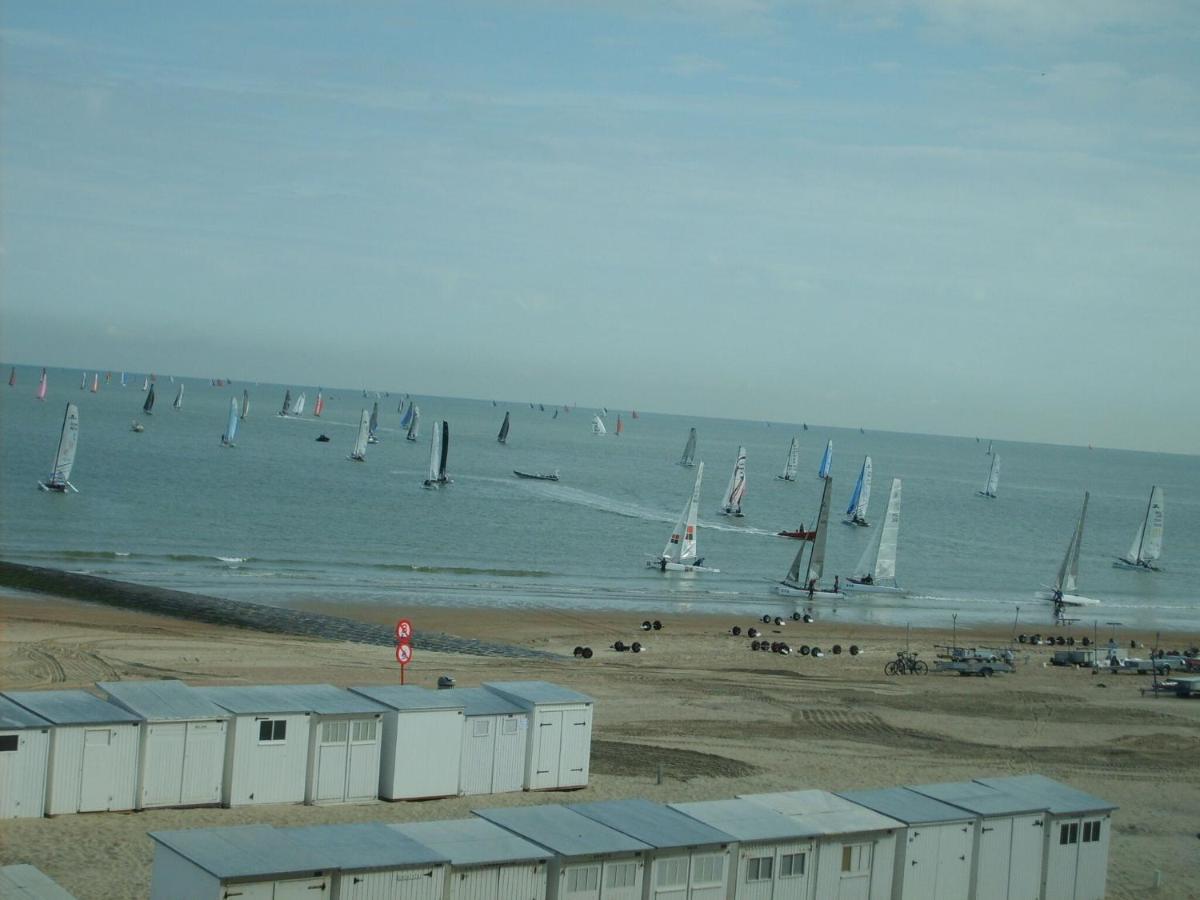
[
  {"x": 920, "y": 667},
  {"x": 890, "y": 668}
]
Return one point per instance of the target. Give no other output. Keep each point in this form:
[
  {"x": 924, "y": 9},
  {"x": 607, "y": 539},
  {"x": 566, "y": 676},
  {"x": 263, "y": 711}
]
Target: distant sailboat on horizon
[
  {"x": 148, "y": 406},
  {"x": 598, "y": 426},
  {"x": 178, "y": 403},
  {"x": 414, "y": 422},
  {"x": 689, "y": 450},
  {"x": 373, "y": 424},
  {"x": 319, "y": 406},
  {"x": 41, "y": 388},
  {"x": 96, "y": 383},
  {"x": 993, "y": 479},
  {"x": 245, "y": 403},
  {"x": 439, "y": 453}
]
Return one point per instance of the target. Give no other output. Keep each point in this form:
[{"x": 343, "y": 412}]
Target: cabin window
[
  {"x": 481, "y": 728},
  {"x": 364, "y": 731},
  {"x": 856, "y": 858},
  {"x": 508, "y": 726},
  {"x": 334, "y": 732},
  {"x": 620, "y": 875},
  {"x": 759, "y": 868},
  {"x": 792, "y": 864},
  {"x": 8, "y": 743},
  {"x": 1068, "y": 834},
  {"x": 272, "y": 731},
  {"x": 581, "y": 879},
  {"x": 708, "y": 869},
  {"x": 1091, "y": 831},
  {"x": 671, "y": 872}
]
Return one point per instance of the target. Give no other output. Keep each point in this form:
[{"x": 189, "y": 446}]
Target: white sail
[
  {"x": 793, "y": 461},
  {"x": 1066, "y": 582},
  {"x": 731, "y": 505},
  {"x": 993, "y": 481},
  {"x": 877, "y": 565},
  {"x": 245, "y": 404},
  {"x": 432, "y": 476},
  {"x": 689, "y": 449},
  {"x": 231, "y": 425},
  {"x": 178, "y": 402},
  {"x": 64, "y": 460},
  {"x": 598, "y": 426},
  {"x": 298, "y": 406},
  {"x": 414, "y": 424},
  {"x": 359, "y": 453},
  {"x": 857, "y": 510},
  {"x": 681, "y": 547},
  {"x": 1147, "y": 543}
]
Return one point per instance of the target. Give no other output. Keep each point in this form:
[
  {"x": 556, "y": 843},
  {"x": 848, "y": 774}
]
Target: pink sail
[{"x": 41, "y": 391}]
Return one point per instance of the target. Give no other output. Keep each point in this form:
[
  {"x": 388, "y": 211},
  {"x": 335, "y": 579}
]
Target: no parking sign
[{"x": 404, "y": 651}]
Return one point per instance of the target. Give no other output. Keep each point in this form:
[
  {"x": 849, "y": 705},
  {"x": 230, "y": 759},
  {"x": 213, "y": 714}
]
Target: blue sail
[
  {"x": 407, "y": 418},
  {"x": 858, "y": 486},
  {"x": 826, "y": 461}
]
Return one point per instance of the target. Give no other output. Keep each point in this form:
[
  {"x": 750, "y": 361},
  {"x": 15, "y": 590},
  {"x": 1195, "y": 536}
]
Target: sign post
[{"x": 404, "y": 651}]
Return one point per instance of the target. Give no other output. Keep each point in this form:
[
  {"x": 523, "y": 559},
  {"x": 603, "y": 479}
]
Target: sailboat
[
  {"x": 439, "y": 452},
  {"x": 319, "y": 406},
  {"x": 124, "y": 379},
  {"x": 96, "y": 383},
  {"x": 680, "y": 553},
  {"x": 620, "y": 426},
  {"x": 502, "y": 437},
  {"x": 83, "y": 382},
  {"x": 731, "y": 505},
  {"x": 792, "y": 463},
  {"x": 993, "y": 481},
  {"x": 178, "y": 404},
  {"x": 856, "y": 512},
  {"x": 406, "y": 419},
  {"x": 41, "y": 390},
  {"x": 148, "y": 406},
  {"x": 231, "y": 426},
  {"x": 12, "y": 376},
  {"x": 689, "y": 450},
  {"x": 414, "y": 423},
  {"x": 145, "y": 384},
  {"x": 245, "y": 404},
  {"x": 59, "y": 478},
  {"x": 989, "y": 449},
  {"x": 373, "y": 424},
  {"x": 598, "y": 426},
  {"x": 808, "y": 582},
  {"x": 298, "y": 406},
  {"x": 287, "y": 403},
  {"x": 826, "y": 461},
  {"x": 876, "y": 569},
  {"x": 1063, "y": 590},
  {"x": 1147, "y": 543},
  {"x": 359, "y": 453}
]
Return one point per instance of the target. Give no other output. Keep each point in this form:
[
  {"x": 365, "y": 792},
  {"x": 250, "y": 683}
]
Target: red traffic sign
[
  {"x": 403, "y": 631},
  {"x": 404, "y": 654}
]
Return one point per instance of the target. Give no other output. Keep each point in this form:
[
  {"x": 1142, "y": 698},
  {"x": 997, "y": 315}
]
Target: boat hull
[
  {"x": 857, "y": 588},
  {"x": 1122, "y": 563},
  {"x": 1068, "y": 599},
  {"x": 679, "y": 567},
  {"x": 787, "y": 590},
  {"x": 862, "y": 523},
  {"x": 985, "y": 494}
]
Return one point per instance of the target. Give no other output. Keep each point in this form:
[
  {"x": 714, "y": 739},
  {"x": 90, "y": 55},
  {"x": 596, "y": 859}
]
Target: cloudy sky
[{"x": 955, "y": 216}]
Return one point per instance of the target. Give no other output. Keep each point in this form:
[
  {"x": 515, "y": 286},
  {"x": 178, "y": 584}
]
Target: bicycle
[{"x": 906, "y": 663}]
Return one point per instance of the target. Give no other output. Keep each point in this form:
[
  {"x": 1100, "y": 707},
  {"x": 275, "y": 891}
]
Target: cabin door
[
  {"x": 1025, "y": 868},
  {"x": 854, "y": 878},
  {"x": 547, "y": 750},
  {"x": 95, "y": 787},
  {"x": 332, "y": 758},
  {"x": 576, "y": 748},
  {"x": 995, "y": 859},
  {"x": 954, "y": 861},
  {"x": 203, "y": 763},
  {"x": 163, "y": 766}
]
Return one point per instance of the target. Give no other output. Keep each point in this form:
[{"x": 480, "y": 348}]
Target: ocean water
[{"x": 282, "y": 517}]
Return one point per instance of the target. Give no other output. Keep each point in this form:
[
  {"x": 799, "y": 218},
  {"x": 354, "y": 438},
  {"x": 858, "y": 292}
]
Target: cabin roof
[
  {"x": 536, "y": 692},
  {"x": 1056, "y": 798},
  {"x": 981, "y": 798},
  {"x": 320, "y": 699},
  {"x": 825, "y": 813},
  {"x": 481, "y": 702},
  {"x": 473, "y": 842},
  {"x": 72, "y": 707},
  {"x": 409, "y": 696},
  {"x": 560, "y": 829},
  {"x": 166, "y": 700},
  {"x": 15, "y": 717},
  {"x": 367, "y": 845},
  {"x": 907, "y": 806},
  {"x": 655, "y": 824},
  {"x": 26, "y": 882},
  {"x": 747, "y": 821},
  {"x": 242, "y": 851}
]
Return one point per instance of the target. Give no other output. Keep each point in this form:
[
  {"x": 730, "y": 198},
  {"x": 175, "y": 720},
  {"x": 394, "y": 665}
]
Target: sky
[{"x": 975, "y": 217}]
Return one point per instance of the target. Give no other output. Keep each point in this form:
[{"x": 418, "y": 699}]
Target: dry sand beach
[{"x": 718, "y": 719}]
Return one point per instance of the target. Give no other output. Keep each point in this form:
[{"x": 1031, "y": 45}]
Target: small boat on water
[
  {"x": 876, "y": 569},
  {"x": 359, "y": 453},
  {"x": 993, "y": 479},
  {"x": 856, "y": 512},
  {"x": 826, "y": 465},
  {"x": 792, "y": 463},
  {"x": 231, "y": 425},
  {"x": 1062, "y": 592},
  {"x": 804, "y": 576},
  {"x": 96, "y": 383},
  {"x": 12, "y": 376},
  {"x": 373, "y": 424},
  {"x": 689, "y": 450},
  {"x": 680, "y": 553},
  {"x": 502, "y": 437},
  {"x": 322, "y": 439},
  {"x": 798, "y": 535},
  {"x": 598, "y": 426},
  {"x": 537, "y": 476},
  {"x": 1147, "y": 543},
  {"x": 439, "y": 453},
  {"x": 137, "y": 427},
  {"x": 59, "y": 479},
  {"x": 178, "y": 403},
  {"x": 731, "y": 505}
]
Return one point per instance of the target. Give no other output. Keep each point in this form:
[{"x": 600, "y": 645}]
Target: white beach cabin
[
  {"x": 93, "y": 751},
  {"x": 934, "y": 850},
  {"x": 24, "y": 760},
  {"x": 559, "y": 748},
  {"x": 249, "y": 862},
  {"x": 24, "y": 882},
  {"x": 374, "y": 862},
  {"x": 855, "y": 847},
  {"x": 688, "y": 860},
  {"x": 266, "y": 748},
  {"x": 494, "y": 740},
  {"x": 1077, "y": 832},
  {"x": 421, "y": 753},
  {"x": 1009, "y": 835},
  {"x": 774, "y": 859},
  {"x": 486, "y": 861},
  {"x": 181, "y": 759},
  {"x": 591, "y": 861}
]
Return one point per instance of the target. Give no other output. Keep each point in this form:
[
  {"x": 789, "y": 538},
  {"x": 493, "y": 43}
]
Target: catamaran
[
  {"x": 620, "y": 426},
  {"x": 373, "y": 425},
  {"x": 124, "y": 379},
  {"x": 689, "y": 450},
  {"x": 680, "y": 553},
  {"x": 41, "y": 389},
  {"x": 414, "y": 423},
  {"x": 598, "y": 426},
  {"x": 439, "y": 452},
  {"x": 245, "y": 404},
  {"x": 993, "y": 480},
  {"x": 502, "y": 437},
  {"x": 96, "y": 383},
  {"x": 58, "y": 480},
  {"x": 856, "y": 512},
  {"x": 1062, "y": 593},
  {"x": 319, "y": 406},
  {"x": 792, "y": 463},
  {"x": 231, "y": 426},
  {"x": 876, "y": 569},
  {"x": 287, "y": 403},
  {"x": 1147, "y": 543},
  {"x": 826, "y": 461},
  {"x": 359, "y": 453},
  {"x": 148, "y": 406},
  {"x": 809, "y": 584},
  {"x": 298, "y": 406},
  {"x": 178, "y": 404},
  {"x": 732, "y": 503}
]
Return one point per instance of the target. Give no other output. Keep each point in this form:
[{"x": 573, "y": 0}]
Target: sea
[{"x": 282, "y": 518}]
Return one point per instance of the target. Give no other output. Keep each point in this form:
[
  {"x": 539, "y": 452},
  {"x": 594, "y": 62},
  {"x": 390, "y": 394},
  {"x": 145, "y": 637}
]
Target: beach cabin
[
  {"x": 374, "y": 862},
  {"x": 934, "y": 849},
  {"x": 250, "y": 862},
  {"x": 688, "y": 860},
  {"x": 93, "y": 758},
  {"x": 1077, "y": 830},
  {"x": 854, "y": 847},
  {"x": 1009, "y": 834},
  {"x": 181, "y": 742},
  {"x": 23, "y": 882},
  {"x": 24, "y": 759},
  {"x": 559, "y": 747},
  {"x": 421, "y": 750},
  {"x": 774, "y": 857},
  {"x": 591, "y": 861},
  {"x": 494, "y": 738},
  {"x": 485, "y": 860},
  {"x": 266, "y": 748}
]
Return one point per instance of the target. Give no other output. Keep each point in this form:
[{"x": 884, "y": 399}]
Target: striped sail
[{"x": 736, "y": 490}]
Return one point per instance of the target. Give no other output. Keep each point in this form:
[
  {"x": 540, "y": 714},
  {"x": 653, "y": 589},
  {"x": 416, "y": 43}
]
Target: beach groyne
[{"x": 236, "y": 613}]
